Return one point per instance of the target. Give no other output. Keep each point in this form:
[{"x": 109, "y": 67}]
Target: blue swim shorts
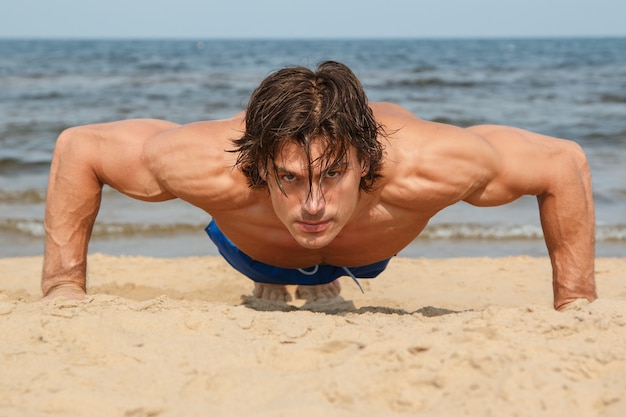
[{"x": 268, "y": 274}]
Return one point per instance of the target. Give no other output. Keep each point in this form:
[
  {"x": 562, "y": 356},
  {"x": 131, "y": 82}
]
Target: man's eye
[
  {"x": 333, "y": 174},
  {"x": 288, "y": 177}
]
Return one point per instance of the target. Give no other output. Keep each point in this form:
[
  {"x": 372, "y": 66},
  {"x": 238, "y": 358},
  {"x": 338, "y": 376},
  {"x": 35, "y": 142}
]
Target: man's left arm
[
  {"x": 557, "y": 172},
  {"x": 567, "y": 218}
]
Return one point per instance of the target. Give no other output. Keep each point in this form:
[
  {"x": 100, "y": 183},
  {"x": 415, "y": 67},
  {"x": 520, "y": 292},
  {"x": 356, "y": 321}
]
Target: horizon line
[{"x": 303, "y": 38}]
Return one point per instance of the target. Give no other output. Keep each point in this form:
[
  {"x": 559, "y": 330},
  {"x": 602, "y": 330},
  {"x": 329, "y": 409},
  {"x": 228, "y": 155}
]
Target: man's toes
[
  {"x": 335, "y": 288},
  {"x": 271, "y": 292},
  {"x": 304, "y": 293},
  {"x": 319, "y": 292}
]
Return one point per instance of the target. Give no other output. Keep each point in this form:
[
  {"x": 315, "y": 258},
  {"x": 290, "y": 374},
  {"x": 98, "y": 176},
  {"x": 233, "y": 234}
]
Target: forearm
[
  {"x": 72, "y": 203},
  {"x": 572, "y": 254},
  {"x": 568, "y": 221},
  {"x": 65, "y": 255}
]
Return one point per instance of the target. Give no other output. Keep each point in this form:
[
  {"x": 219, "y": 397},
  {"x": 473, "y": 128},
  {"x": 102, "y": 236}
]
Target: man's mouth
[{"x": 313, "y": 227}]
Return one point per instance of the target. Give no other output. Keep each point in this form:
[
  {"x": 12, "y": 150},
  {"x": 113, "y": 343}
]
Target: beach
[
  {"x": 460, "y": 324},
  {"x": 429, "y": 337}
]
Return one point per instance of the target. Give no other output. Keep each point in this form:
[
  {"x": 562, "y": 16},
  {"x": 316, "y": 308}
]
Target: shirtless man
[{"x": 312, "y": 182}]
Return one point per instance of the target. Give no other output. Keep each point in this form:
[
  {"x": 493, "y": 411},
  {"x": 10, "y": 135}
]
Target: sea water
[{"x": 568, "y": 88}]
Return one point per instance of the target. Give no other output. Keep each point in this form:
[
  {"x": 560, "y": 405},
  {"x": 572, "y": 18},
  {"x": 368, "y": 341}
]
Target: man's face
[{"x": 314, "y": 214}]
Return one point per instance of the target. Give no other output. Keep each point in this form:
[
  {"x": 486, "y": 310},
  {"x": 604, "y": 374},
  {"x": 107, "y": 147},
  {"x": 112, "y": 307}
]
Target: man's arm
[
  {"x": 84, "y": 159},
  {"x": 556, "y": 171},
  {"x": 567, "y": 217}
]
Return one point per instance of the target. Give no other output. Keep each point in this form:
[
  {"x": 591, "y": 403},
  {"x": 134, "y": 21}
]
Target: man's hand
[
  {"x": 68, "y": 291},
  {"x": 574, "y": 304}
]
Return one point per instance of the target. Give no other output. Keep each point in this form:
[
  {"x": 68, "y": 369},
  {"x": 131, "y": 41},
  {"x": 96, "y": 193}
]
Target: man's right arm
[{"x": 84, "y": 159}]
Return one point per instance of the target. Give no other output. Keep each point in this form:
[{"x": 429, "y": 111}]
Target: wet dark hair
[{"x": 298, "y": 105}]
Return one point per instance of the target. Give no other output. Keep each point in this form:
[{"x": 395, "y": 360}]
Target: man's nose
[{"x": 314, "y": 201}]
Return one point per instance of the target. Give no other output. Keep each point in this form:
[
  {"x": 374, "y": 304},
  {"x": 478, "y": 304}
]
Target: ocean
[{"x": 569, "y": 88}]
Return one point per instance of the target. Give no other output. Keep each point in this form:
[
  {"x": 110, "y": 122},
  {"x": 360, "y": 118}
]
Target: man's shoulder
[
  {"x": 195, "y": 146},
  {"x": 193, "y": 163},
  {"x": 231, "y": 127},
  {"x": 384, "y": 110},
  {"x": 399, "y": 123},
  {"x": 203, "y": 135}
]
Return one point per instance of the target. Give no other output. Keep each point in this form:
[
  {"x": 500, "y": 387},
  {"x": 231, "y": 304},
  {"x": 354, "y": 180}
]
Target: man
[{"x": 312, "y": 182}]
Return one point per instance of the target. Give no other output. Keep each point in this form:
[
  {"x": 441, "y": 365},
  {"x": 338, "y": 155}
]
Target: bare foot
[
  {"x": 271, "y": 292},
  {"x": 319, "y": 292}
]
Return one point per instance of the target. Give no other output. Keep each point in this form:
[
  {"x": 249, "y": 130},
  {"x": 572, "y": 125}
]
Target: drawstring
[
  {"x": 313, "y": 272},
  {"x": 354, "y": 279},
  {"x": 350, "y": 274}
]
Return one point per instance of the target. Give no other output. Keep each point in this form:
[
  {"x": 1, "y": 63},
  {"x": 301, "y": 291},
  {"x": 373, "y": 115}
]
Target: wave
[
  {"x": 480, "y": 231},
  {"x": 612, "y": 138},
  {"x": 474, "y": 231},
  {"x": 35, "y": 228},
  {"x": 613, "y": 98},
  {"x": 32, "y": 196},
  {"x": 17, "y": 129},
  {"x": 50, "y": 95},
  {"x": 38, "y": 195},
  {"x": 15, "y": 166},
  {"x": 429, "y": 82},
  {"x": 444, "y": 231}
]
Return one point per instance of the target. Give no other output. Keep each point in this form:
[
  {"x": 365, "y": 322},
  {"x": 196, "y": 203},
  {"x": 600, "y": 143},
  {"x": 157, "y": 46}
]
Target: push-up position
[{"x": 312, "y": 182}]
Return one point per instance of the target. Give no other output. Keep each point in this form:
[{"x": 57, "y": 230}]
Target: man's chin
[{"x": 314, "y": 242}]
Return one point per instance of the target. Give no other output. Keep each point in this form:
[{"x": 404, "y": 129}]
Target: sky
[{"x": 315, "y": 19}]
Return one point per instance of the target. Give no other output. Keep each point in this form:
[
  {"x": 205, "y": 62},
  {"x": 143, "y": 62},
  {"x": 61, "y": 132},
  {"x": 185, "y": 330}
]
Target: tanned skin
[{"x": 427, "y": 166}]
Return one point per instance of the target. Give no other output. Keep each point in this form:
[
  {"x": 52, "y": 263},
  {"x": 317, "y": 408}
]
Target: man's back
[{"x": 427, "y": 167}]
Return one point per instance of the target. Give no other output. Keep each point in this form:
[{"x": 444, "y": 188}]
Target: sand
[{"x": 183, "y": 337}]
